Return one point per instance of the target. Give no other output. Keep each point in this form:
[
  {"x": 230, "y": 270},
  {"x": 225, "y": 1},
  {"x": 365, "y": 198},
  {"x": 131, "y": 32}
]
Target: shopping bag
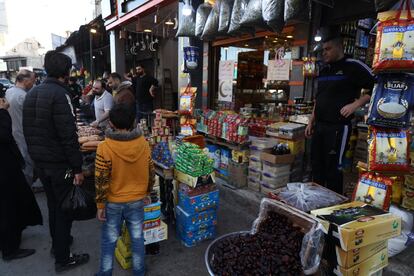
[
  {"x": 187, "y": 25},
  {"x": 225, "y": 15},
  {"x": 297, "y": 11},
  {"x": 212, "y": 23},
  {"x": 273, "y": 14},
  {"x": 239, "y": 8},
  {"x": 394, "y": 47},
  {"x": 203, "y": 11},
  {"x": 79, "y": 204}
]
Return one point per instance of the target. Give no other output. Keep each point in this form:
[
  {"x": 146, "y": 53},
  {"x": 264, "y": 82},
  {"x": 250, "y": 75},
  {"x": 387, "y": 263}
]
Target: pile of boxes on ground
[
  {"x": 357, "y": 237},
  {"x": 268, "y": 172},
  {"x": 198, "y": 197}
]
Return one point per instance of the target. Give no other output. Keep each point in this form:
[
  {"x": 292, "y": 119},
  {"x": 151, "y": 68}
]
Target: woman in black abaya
[{"x": 18, "y": 206}]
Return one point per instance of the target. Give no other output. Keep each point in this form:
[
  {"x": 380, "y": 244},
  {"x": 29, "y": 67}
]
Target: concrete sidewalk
[{"x": 237, "y": 211}]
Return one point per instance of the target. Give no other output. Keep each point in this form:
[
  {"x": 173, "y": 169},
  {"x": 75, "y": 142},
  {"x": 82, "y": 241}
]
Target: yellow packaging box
[
  {"x": 123, "y": 248},
  {"x": 191, "y": 180},
  {"x": 125, "y": 263},
  {"x": 356, "y": 224},
  {"x": 367, "y": 267},
  {"x": 295, "y": 146},
  {"x": 347, "y": 259}
]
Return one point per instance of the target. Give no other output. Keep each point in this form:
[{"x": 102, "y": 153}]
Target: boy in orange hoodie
[{"x": 124, "y": 176}]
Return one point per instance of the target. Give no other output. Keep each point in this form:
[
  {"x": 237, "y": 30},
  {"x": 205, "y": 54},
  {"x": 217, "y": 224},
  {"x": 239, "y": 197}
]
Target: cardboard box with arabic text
[
  {"x": 356, "y": 224},
  {"x": 347, "y": 259}
]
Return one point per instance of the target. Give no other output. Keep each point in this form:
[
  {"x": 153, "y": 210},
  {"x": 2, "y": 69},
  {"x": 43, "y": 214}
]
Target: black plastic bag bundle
[
  {"x": 239, "y": 9},
  {"x": 186, "y": 25},
  {"x": 225, "y": 15},
  {"x": 79, "y": 204},
  {"x": 212, "y": 23},
  {"x": 273, "y": 14},
  {"x": 297, "y": 11},
  {"x": 203, "y": 11},
  {"x": 384, "y": 5},
  {"x": 253, "y": 15}
]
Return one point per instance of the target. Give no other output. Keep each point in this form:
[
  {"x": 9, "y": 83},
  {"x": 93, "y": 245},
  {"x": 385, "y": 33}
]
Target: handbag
[{"x": 78, "y": 203}]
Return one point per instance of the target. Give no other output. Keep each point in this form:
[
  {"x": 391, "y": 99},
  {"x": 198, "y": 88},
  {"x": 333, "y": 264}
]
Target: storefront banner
[
  {"x": 226, "y": 73},
  {"x": 278, "y": 70}
]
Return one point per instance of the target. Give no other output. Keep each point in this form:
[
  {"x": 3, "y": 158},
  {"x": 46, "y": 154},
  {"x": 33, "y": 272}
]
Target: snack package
[
  {"x": 388, "y": 150},
  {"x": 187, "y": 98},
  {"x": 394, "y": 47},
  {"x": 392, "y": 101},
  {"x": 374, "y": 189}
]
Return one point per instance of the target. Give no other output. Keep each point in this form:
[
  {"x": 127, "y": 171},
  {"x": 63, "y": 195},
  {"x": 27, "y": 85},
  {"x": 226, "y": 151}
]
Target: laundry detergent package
[
  {"x": 388, "y": 150},
  {"x": 392, "y": 101}
]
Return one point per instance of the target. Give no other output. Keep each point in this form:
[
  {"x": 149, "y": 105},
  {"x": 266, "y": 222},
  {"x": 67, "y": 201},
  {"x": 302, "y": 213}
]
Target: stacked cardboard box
[
  {"x": 196, "y": 213},
  {"x": 154, "y": 230},
  {"x": 357, "y": 237},
  {"x": 361, "y": 148}
]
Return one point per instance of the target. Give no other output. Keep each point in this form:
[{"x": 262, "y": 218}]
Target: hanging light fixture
[
  {"x": 147, "y": 31},
  {"x": 318, "y": 36},
  {"x": 187, "y": 8},
  {"x": 156, "y": 15},
  {"x": 169, "y": 22}
]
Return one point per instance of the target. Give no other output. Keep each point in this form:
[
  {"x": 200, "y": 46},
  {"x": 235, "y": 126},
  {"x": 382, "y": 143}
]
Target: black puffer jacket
[{"x": 49, "y": 127}]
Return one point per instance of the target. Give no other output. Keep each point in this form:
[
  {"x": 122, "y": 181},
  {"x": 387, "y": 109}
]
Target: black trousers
[
  {"x": 329, "y": 143},
  {"x": 10, "y": 231},
  {"x": 59, "y": 224}
]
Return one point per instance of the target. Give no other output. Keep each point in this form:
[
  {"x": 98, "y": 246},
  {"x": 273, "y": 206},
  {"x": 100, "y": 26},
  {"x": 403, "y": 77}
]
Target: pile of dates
[{"x": 273, "y": 250}]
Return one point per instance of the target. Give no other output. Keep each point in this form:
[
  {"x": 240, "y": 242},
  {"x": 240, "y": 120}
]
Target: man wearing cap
[{"x": 344, "y": 85}]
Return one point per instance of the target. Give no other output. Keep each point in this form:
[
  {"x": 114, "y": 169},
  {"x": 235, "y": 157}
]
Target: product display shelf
[{"x": 222, "y": 142}]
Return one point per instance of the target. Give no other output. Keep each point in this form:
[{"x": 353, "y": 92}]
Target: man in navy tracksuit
[{"x": 344, "y": 85}]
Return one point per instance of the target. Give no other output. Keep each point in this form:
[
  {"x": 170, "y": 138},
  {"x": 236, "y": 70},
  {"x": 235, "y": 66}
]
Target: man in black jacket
[{"x": 50, "y": 131}]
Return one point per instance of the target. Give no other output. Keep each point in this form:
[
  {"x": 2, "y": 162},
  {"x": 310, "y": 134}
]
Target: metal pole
[{"x": 91, "y": 56}]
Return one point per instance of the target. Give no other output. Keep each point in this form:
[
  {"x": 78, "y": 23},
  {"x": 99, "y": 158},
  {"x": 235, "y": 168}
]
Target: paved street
[{"x": 237, "y": 212}]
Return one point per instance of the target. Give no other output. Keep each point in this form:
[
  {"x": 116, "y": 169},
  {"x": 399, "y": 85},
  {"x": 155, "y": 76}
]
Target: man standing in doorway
[
  {"x": 15, "y": 96},
  {"x": 50, "y": 130},
  {"x": 145, "y": 88},
  {"x": 103, "y": 103},
  {"x": 344, "y": 85}
]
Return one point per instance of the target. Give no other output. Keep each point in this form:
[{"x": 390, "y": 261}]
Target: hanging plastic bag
[
  {"x": 186, "y": 25},
  {"x": 394, "y": 47},
  {"x": 392, "y": 101},
  {"x": 225, "y": 15},
  {"x": 79, "y": 204},
  {"x": 212, "y": 23},
  {"x": 312, "y": 249},
  {"x": 273, "y": 14},
  {"x": 384, "y": 5},
  {"x": 203, "y": 11},
  {"x": 388, "y": 150},
  {"x": 296, "y": 11},
  {"x": 253, "y": 14},
  {"x": 398, "y": 244},
  {"x": 239, "y": 9}
]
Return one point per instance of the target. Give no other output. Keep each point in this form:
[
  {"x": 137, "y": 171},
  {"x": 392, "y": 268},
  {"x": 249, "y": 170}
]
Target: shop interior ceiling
[{"x": 155, "y": 22}]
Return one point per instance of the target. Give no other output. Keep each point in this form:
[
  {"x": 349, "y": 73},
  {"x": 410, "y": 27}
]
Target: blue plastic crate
[
  {"x": 198, "y": 203},
  {"x": 192, "y": 238},
  {"x": 193, "y": 222}
]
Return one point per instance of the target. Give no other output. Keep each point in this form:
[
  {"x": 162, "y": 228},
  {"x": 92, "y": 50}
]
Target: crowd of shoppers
[{"x": 38, "y": 138}]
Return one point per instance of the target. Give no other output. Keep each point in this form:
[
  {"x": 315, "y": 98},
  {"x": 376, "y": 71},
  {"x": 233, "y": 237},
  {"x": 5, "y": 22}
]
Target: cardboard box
[
  {"x": 295, "y": 146},
  {"x": 356, "y": 224},
  {"x": 237, "y": 174},
  {"x": 194, "y": 181},
  {"x": 152, "y": 223},
  {"x": 366, "y": 268},
  {"x": 156, "y": 234},
  {"x": 267, "y": 156},
  {"x": 348, "y": 259}
]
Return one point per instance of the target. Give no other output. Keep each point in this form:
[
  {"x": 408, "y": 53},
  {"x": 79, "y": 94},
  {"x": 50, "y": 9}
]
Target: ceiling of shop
[{"x": 147, "y": 22}]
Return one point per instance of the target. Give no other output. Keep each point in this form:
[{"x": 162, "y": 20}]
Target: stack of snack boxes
[
  {"x": 160, "y": 131},
  {"x": 357, "y": 236},
  {"x": 198, "y": 196}
]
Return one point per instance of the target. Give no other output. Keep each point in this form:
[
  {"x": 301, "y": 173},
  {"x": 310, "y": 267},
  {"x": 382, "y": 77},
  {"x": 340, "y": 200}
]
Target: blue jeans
[{"x": 116, "y": 213}]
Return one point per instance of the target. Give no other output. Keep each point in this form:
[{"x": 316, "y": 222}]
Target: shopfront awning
[{"x": 143, "y": 10}]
